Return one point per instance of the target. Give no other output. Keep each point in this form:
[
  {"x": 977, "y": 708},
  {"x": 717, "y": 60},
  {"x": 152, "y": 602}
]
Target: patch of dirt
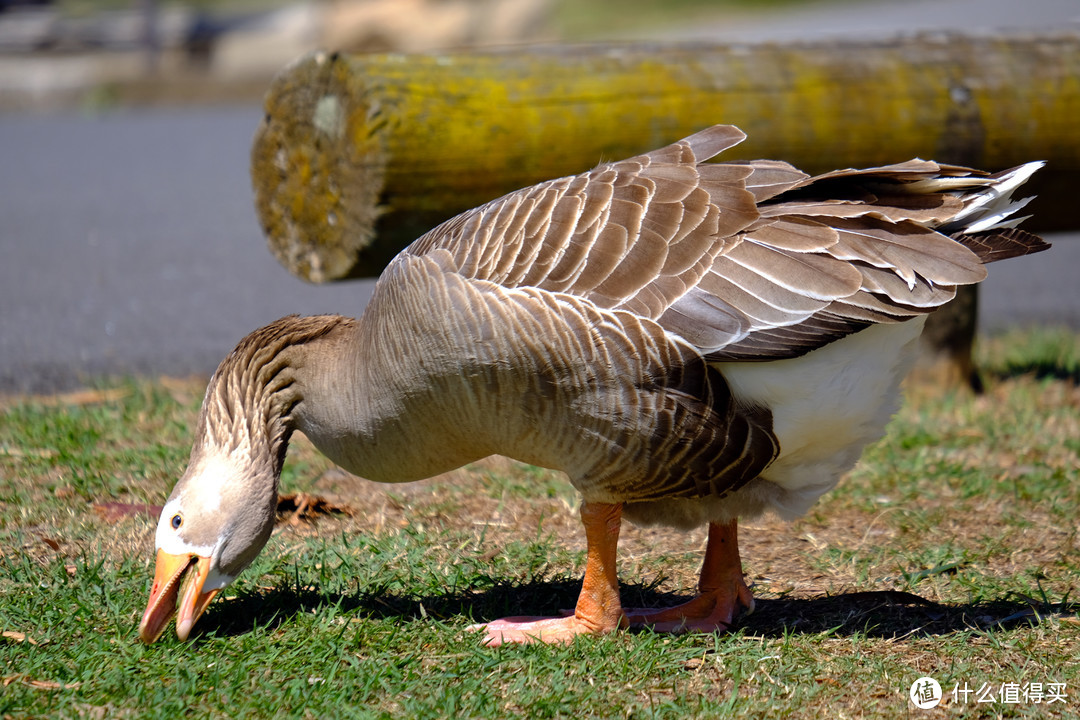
[
  {"x": 294, "y": 508},
  {"x": 112, "y": 512}
]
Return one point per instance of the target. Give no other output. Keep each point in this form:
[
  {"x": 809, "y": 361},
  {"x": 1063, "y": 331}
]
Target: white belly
[{"x": 827, "y": 406}]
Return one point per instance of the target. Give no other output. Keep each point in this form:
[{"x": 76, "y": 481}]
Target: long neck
[
  {"x": 247, "y": 418},
  {"x": 250, "y": 401},
  {"x": 402, "y": 396},
  {"x": 352, "y": 387}
]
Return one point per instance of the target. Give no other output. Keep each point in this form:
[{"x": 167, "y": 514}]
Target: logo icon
[{"x": 925, "y": 693}]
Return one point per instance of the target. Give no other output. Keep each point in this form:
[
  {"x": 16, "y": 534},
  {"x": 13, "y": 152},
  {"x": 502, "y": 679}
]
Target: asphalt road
[
  {"x": 128, "y": 244},
  {"x": 781, "y": 22}
]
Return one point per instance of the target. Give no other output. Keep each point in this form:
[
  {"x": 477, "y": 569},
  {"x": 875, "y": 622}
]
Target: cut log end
[{"x": 318, "y": 168}]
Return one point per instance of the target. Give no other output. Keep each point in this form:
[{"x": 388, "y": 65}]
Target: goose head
[
  {"x": 221, "y": 511},
  {"x": 216, "y": 521}
]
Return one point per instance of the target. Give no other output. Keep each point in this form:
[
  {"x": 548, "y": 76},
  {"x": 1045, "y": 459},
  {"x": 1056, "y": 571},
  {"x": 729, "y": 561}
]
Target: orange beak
[{"x": 169, "y": 571}]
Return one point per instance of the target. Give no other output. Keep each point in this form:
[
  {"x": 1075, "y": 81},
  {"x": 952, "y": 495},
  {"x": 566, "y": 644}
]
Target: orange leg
[
  {"x": 722, "y": 592},
  {"x": 598, "y": 608}
]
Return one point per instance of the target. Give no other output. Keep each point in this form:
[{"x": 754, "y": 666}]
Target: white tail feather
[{"x": 992, "y": 207}]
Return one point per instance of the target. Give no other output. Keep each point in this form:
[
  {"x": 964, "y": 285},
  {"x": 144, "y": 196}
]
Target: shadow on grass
[
  {"x": 894, "y": 614},
  {"x": 882, "y": 614},
  {"x": 1040, "y": 370}
]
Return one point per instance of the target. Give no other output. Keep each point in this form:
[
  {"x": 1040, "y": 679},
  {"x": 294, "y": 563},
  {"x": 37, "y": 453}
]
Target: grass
[{"x": 951, "y": 551}]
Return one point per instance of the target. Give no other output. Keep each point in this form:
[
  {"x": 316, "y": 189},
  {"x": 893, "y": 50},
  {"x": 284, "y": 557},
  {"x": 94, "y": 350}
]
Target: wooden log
[
  {"x": 946, "y": 348},
  {"x": 359, "y": 155}
]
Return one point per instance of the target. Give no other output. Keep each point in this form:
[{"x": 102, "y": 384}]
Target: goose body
[{"x": 689, "y": 342}]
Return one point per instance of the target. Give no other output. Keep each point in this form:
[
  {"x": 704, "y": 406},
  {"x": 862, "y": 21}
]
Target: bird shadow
[
  {"x": 887, "y": 614},
  {"x": 1037, "y": 369}
]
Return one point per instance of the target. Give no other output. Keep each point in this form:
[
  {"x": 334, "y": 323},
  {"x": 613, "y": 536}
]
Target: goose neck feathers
[{"x": 249, "y": 403}]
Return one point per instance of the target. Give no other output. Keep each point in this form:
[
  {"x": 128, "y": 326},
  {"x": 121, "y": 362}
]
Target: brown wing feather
[
  {"x": 635, "y": 234},
  {"x": 749, "y": 260},
  {"x": 994, "y": 245}
]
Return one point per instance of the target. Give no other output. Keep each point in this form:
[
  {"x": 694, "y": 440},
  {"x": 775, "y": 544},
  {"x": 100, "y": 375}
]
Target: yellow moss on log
[{"x": 358, "y": 155}]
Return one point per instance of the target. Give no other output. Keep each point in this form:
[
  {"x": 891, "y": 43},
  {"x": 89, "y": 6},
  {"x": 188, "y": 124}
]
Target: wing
[
  {"x": 850, "y": 248},
  {"x": 635, "y": 234},
  {"x": 745, "y": 260}
]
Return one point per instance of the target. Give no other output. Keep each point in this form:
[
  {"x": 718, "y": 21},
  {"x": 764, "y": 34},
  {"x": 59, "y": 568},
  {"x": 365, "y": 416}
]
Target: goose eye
[{"x": 177, "y": 521}]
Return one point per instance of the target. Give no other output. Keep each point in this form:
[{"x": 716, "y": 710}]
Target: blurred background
[{"x": 128, "y": 239}]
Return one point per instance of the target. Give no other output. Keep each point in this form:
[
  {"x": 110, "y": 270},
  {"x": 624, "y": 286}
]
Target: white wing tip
[{"x": 992, "y": 207}]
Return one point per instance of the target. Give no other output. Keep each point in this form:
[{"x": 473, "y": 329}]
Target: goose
[{"x": 691, "y": 343}]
